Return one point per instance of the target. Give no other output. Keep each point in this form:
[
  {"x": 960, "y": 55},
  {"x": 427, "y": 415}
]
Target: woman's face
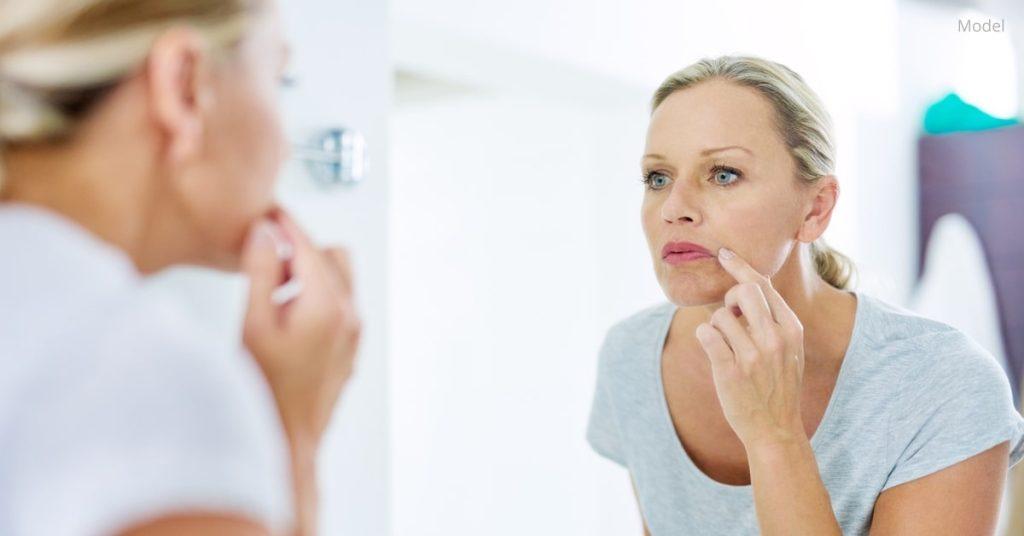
[
  {"x": 231, "y": 181},
  {"x": 717, "y": 174}
]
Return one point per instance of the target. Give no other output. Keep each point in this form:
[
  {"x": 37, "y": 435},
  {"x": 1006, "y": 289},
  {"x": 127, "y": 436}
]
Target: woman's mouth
[{"x": 680, "y": 252}]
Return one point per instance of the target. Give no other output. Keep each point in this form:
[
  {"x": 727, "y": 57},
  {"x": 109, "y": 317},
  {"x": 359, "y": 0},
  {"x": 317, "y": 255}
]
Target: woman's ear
[
  {"x": 825, "y": 194},
  {"x": 179, "y": 90}
]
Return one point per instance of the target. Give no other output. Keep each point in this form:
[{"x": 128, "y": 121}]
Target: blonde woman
[
  {"x": 137, "y": 135},
  {"x": 765, "y": 396}
]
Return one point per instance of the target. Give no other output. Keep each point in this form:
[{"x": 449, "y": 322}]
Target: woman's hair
[
  {"x": 802, "y": 121},
  {"x": 59, "y": 57}
]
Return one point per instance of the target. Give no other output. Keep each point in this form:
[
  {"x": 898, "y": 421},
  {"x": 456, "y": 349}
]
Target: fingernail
[
  {"x": 285, "y": 251},
  {"x": 286, "y": 292},
  {"x": 282, "y": 246},
  {"x": 726, "y": 253},
  {"x": 262, "y": 236}
]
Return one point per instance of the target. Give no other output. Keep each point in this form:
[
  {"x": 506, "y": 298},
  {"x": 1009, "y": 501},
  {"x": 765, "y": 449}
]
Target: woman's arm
[
  {"x": 758, "y": 372},
  {"x": 303, "y": 463},
  {"x": 305, "y": 494},
  {"x": 197, "y": 524},
  {"x": 963, "y": 498},
  {"x": 789, "y": 495},
  {"x": 306, "y": 347}
]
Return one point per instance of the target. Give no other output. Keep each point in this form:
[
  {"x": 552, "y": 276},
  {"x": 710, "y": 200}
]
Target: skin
[
  {"x": 757, "y": 339},
  {"x": 177, "y": 166}
]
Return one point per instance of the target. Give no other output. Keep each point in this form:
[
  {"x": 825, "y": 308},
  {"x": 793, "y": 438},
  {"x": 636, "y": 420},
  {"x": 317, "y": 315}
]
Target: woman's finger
[
  {"x": 743, "y": 272},
  {"x": 307, "y": 263},
  {"x": 781, "y": 311},
  {"x": 340, "y": 268},
  {"x": 714, "y": 345},
  {"x": 750, "y": 300},
  {"x": 265, "y": 272},
  {"x": 735, "y": 335},
  {"x": 740, "y": 269}
]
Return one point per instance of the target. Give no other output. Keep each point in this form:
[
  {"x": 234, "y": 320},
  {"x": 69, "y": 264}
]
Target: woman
[
  {"x": 765, "y": 397},
  {"x": 135, "y": 136}
]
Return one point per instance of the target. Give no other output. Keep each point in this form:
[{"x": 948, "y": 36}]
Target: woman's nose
[{"x": 681, "y": 204}]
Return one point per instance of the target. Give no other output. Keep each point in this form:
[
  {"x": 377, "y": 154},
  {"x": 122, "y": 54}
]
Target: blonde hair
[
  {"x": 58, "y": 57},
  {"x": 802, "y": 121}
]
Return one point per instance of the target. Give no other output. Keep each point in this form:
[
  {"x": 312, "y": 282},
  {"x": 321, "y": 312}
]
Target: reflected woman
[
  {"x": 138, "y": 135},
  {"x": 765, "y": 396}
]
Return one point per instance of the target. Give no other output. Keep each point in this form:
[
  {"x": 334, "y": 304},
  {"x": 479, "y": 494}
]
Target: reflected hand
[{"x": 757, "y": 368}]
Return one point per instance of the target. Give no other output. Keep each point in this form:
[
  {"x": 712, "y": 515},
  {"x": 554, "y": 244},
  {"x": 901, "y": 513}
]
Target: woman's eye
[
  {"x": 657, "y": 181},
  {"x": 286, "y": 81},
  {"x": 725, "y": 177}
]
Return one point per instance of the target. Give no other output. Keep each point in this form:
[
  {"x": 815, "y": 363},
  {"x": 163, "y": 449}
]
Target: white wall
[
  {"x": 515, "y": 243},
  {"x": 848, "y": 52}
]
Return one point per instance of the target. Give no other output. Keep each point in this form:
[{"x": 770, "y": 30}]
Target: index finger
[
  {"x": 745, "y": 273},
  {"x": 305, "y": 261},
  {"x": 738, "y": 267}
]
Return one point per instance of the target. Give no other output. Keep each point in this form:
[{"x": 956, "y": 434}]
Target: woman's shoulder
[
  {"x": 887, "y": 325},
  {"x": 133, "y": 328},
  {"x": 152, "y": 348},
  {"x": 138, "y": 350},
  {"x": 641, "y": 328},
  {"x": 925, "y": 352},
  {"x": 949, "y": 398},
  {"x": 889, "y": 322},
  {"x": 644, "y": 318},
  {"x": 64, "y": 341},
  {"x": 167, "y": 414}
]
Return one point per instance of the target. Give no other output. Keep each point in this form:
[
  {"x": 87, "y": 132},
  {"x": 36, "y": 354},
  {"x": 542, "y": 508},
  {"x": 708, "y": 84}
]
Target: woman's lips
[
  {"x": 679, "y": 258},
  {"x": 680, "y": 252}
]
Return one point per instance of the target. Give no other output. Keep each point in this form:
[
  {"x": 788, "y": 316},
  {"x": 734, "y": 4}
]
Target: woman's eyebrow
[{"x": 706, "y": 152}]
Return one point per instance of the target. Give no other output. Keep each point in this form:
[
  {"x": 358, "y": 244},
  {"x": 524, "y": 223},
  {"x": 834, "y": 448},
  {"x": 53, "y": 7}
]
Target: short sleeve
[
  {"x": 602, "y": 429},
  {"x": 953, "y": 404},
  {"x": 142, "y": 421}
]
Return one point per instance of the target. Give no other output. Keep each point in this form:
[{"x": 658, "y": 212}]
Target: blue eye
[
  {"x": 721, "y": 175},
  {"x": 656, "y": 181},
  {"x": 286, "y": 81}
]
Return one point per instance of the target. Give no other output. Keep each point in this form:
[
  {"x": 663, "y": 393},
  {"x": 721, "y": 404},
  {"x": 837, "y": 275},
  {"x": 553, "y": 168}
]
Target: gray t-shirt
[{"x": 913, "y": 396}]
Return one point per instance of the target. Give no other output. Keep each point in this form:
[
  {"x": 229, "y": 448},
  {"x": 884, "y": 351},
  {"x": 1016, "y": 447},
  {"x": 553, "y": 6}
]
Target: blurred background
[{"x": 496, "y": 232}]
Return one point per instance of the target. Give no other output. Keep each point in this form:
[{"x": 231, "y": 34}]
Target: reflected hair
[{"x": 801, "y": 120}]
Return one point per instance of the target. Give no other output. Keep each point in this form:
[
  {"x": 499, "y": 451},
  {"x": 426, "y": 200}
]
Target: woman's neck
[
  {"x": 114, "y": 205},
  {"x": 826, "y": 313}
]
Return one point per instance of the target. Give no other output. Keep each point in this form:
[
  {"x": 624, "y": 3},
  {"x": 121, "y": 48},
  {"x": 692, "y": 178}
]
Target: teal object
[{"x": 953, "y": 114}]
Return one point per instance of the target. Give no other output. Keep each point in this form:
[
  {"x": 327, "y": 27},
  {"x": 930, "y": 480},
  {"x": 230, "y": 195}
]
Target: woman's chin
[
  {"x": 689, "y": 291},
  {"x": 223, "y": 259}
]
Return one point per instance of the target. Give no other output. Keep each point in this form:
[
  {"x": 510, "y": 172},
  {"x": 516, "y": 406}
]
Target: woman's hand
[
  {"x": 758, "y": 368},
  {"x": 306, "y": 347}
]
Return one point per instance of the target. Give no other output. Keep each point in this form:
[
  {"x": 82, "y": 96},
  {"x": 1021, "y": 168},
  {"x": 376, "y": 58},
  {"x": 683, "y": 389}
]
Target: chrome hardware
[{"x": 336, "y": 156}]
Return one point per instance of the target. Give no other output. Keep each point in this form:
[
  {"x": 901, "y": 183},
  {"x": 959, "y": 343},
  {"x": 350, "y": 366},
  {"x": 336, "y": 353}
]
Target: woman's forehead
[{"x": 710, "y": 115}]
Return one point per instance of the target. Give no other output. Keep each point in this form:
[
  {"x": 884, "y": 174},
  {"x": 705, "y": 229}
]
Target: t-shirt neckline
[{"x": 666, "y": 417}]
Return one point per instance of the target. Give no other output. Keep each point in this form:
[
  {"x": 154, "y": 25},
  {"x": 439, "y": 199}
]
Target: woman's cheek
[{"x": 265, "y": 152}]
